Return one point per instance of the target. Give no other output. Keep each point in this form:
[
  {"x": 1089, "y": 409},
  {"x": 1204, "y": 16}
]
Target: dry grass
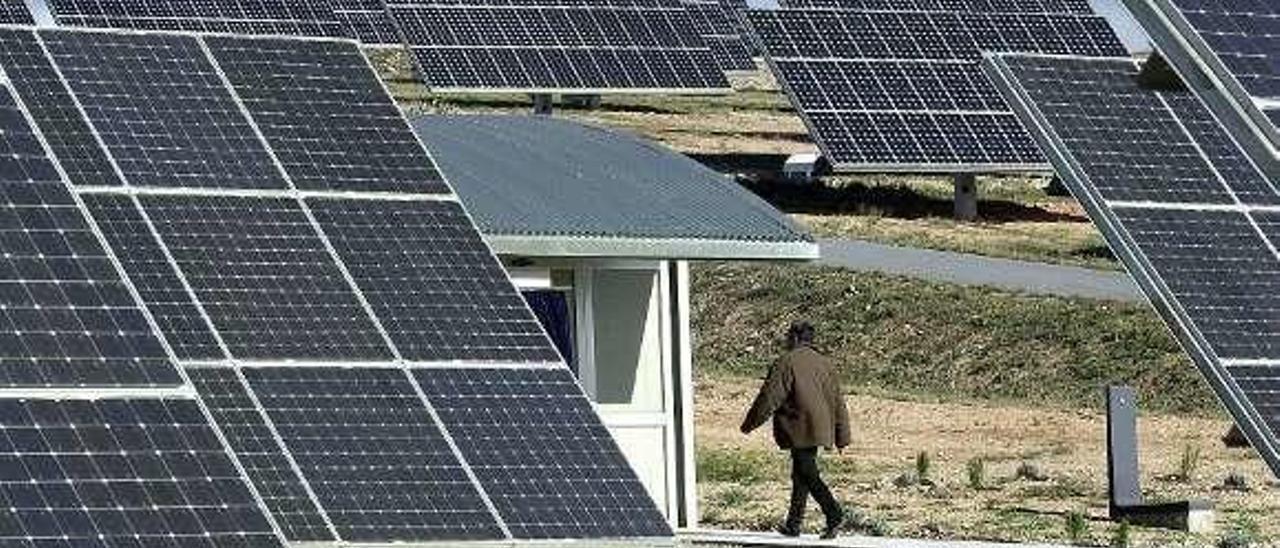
[{"x": 742, "y": 480}]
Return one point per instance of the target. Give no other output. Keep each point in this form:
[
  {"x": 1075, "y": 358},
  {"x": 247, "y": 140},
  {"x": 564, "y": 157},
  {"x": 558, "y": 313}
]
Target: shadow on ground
[{"x": 898, "y": 201}]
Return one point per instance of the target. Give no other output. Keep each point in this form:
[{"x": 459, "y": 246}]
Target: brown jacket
[{"x": 802, "y": 393}]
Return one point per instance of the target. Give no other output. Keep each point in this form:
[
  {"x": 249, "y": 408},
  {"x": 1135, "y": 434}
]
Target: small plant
[
  {"x": 1243, "y": 534},
  {"x": 863, "y": 523},
  {"x": 977, "y": 470},
  {"x": 1077, "y": 527},
  {"x": 1120, "y": 539},
  {"x": 1235, "y": 481},
  {"x": 1030, "y": 472},
  {"x": 1189, "y": 463},
  {"x": 923, "y": 466}
]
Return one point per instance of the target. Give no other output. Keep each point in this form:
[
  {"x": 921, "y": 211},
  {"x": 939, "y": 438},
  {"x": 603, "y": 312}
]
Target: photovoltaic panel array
[
  {"x": 1228, "y": 50},
  {"x": 548, "y": 45},
  {"x": 719, "y": 27},
  {"x": 260, "y": 17},
  {"x": 85, "y": 468},
  {"x": 984, "y": 6},
  {"x": 253, "y": 216},
  {"x": 1182, "y": 204},
  {"x": 901, "y": 90}
]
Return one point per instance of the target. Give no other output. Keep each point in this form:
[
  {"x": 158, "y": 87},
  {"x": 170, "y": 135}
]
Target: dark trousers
[{"x": 806, "y": 481}]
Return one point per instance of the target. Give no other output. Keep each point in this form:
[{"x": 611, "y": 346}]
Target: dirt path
[{"x": 1068, "y": 446}]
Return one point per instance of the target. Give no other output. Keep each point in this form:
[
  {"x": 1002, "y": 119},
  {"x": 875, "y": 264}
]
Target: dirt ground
[{"x": 747, "y": 490}]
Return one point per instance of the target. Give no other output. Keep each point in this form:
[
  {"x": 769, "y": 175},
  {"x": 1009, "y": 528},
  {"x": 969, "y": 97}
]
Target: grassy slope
[{"x": 942, "y": 341}]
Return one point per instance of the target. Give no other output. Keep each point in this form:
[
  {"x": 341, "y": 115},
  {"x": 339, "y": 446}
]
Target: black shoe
[
  {"x": 788, "y": 531},
  {"x": 833, "y": 527}
]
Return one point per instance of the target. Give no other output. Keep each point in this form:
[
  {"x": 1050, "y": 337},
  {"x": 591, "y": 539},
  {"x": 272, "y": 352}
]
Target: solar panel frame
[
  {"x": 1104, "y": 213},
  {"x": 1206, "y": 72}
]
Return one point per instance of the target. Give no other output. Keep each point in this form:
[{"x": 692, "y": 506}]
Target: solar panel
[
  {"x": 535, "y": 46},
  {"x": 66, "y": 317},
  {"x": 259, "y": 451},
  {"x": 440, "y": 293},
  {"x": 902, "y": 90},
  {"x": 121, "y": 472},
  {"x": 549, "y": 465},
  {"x": 989, "y": 6},
  {"x": 273, "y": 17},
  {"x": 15, "y": 12},
  {"x": 371, "y": 452},
  {"x": 1228, "y": 51},
  {"x": 326, "y": 116},
  {"x": 164, "y": 115},
  {"x": 159, "y": 285},
  {"x": 71, "y": 139},
  {"x": 719, "y": 29},
  {"x": 196, "y": 161},
  {"x": 367, "y": 21},
  {"x": 265, "y": 278},
  {"x": 1183, "y": 206}
]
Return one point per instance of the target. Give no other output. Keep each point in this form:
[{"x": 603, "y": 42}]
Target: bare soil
[{"x": 1067, "y": 445}]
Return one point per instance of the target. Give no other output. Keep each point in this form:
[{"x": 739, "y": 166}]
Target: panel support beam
[
  {"x": 1124, "y": 490},
  {"x": 543, "y": 103},
  {"x": 966, "y": 196}
]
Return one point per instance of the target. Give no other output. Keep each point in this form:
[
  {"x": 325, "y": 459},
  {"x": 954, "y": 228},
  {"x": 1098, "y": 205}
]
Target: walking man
[{"x": 802, "y": 393}]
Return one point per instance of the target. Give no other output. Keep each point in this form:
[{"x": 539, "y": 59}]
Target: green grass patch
[
  {"x": 946, "y": 341},
  {"x": 737, "y": 466}
]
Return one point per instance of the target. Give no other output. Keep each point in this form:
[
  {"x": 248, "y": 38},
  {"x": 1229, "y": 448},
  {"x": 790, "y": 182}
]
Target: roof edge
[{"x": 651, "y": 248}]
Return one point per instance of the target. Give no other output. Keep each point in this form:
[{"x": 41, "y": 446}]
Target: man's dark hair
[{"x": 799, "y": 334}]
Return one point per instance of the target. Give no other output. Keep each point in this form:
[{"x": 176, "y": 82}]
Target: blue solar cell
[
  {"x": 66, "y": 317},
  {"x": 158, "y": 284},
  {"x": 274, "y": 17},
  {"x": 438, "y": 290},
  {"x": 121, "y": 472},
  {"x": 328, "y": 119},
  {"x": 373, "y": 455},
  {"x": 261, "y": 455},
  {"x": 908, "y": 74},
  {"x": 265, "y": 278},
  {"x": 541, "y": 453},
  {"x": 53, "y": 108},
  {"x": 163, "y": 112}
]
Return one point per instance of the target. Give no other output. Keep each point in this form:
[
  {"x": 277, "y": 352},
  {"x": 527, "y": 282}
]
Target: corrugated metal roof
[{"x": 546, "y": 178}]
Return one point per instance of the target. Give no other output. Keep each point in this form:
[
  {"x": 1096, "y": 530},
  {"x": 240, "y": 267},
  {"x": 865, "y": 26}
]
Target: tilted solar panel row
[
  {"x": 1000, "y": 6},
  {"x": 1183, "y": 204},
  {"x": 902, "y": 90},
  {"x": 276, "y": 17},
  {"x": 535, "y": 47},
  {"x": 271, "y": 223}
]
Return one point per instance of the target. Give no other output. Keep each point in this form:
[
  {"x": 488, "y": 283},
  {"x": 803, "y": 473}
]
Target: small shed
[{"x": 597, "y": 228}]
